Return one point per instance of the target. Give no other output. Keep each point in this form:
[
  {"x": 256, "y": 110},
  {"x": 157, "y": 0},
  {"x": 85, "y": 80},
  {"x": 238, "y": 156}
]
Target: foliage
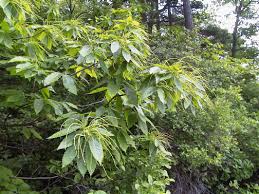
[
  {"x": 217, "y": 146},
  {"x": 62, "y": 58},
  {"x": 10, "y": 184},
  {"x": 90, "y": 103}
]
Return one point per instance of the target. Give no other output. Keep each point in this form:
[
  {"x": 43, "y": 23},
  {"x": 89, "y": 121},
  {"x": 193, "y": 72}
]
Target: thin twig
[{"x": 35, "y": 178}]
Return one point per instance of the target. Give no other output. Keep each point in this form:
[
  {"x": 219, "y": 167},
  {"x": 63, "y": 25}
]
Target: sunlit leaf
[
  {"x": 51, "y": 78},
  {"x": 115, "y": 46},
  {"x": 126, "y": 56}
]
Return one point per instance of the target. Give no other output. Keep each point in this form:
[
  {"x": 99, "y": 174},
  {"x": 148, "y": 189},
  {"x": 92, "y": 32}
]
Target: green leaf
[
  {"x": 69, "y": 84},
  {"x": 26, "y": 132},
  {"x": 68, "y": 156},
  {"x": 96, "y": 149},
  {"x": 45, "y": 92},
  {"x": 90, "y": 161},
  {"x": 112, "y": 88},
  {"x": 58, "y": 108},
  {"x": 36, "y": 134},
  {"x": 122, "y": 142},
  {"x": 101, "y": 89},
  {"x": 4, "y": 3},
  {"x": 187, "y": 103},
  {"x": 86, "y": 50},
  {"x": 147, "y": 91},
  {"x": 132, "y": 95},
  {"x": 126, "y": 56},
  {"x": 112, "y": 118},
  {"x": 161, "y": 106},
  {"x": 38, "y": 105},
  {"x": 154, "y": 70},
  {"x": 73, "y": 127},
  {"x": 105, "y": 132},
  {"x": 115, "y": 46},
  {"x": 134, "y": 50},
  {"x": 23, "y": 66},
  {"x": 143, "y": 126},
  {"x": 141, "y": 114},
  {"x": 53, "y": 77},
  {"x": 199, "y": 86},
  {"x": 131, "y": 118},
  {"x": 91, "y": 72},
  {"x": 19, "y": 59},
  {"x": 161, "y": 95},
  {"x": 178, "y": 84},
  {"x": 66, "y": 142},
  {"x": 99, "y": 192},
  {"x": 15, "y": 96},
  {"x": 81, "y": 166}
]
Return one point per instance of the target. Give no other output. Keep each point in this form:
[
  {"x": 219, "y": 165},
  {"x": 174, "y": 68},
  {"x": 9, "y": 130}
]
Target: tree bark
[
  {"x": 151, "y": 17},
  {"x": 187, "y": 14},
  {"x": 170, "y": 18},
  {"x": 157, "y": 16}
]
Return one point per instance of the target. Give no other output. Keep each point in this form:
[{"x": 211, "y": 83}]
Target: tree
[
  {"x": 91, "y": 103},
  {"x": 95, "y": 83},
  {"x": 187, "y": 14},
  {"x": 244, "y": 10}
]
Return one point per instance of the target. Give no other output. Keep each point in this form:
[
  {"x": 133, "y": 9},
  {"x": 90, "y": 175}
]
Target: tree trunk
[
  {"x": 116, "y": 4},
  {"x": 157, "y": 16},
  {"x": 235, "y": 31},
  {"x": 170, "y": 18},
  {"x": 151, "y": 17},
  {"x": 187, "y": 14}
]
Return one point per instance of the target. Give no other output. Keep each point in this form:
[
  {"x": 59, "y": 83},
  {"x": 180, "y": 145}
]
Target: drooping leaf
[
  {"x": 69, "y": 84},
  {"x": 131, "y": 95},
  {"x": 113, "y": 88},
  {"x": 187, "y": 103},
  {"x": 68, "y": 156},
  {"x": 81, "y": 166},
  {"x": 126, "y": 56},
  {"x": 134, "y": 50},
  {"x": 96, "y": 149},
  {"x": 143, "y": 126},
  {"x": 161, "y": 95},
  {"x": 122, "y": 142},
  {"x": 38, "y": 105},
  {"x": 66, "y": 142},
  {"x": 90, "y": 161},
  {"x": 36, "y": 134},
  {"x": 58, "y": 108}
]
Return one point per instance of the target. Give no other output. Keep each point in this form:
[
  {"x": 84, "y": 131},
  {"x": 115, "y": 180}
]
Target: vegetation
[{"x": 126, "y": 97}]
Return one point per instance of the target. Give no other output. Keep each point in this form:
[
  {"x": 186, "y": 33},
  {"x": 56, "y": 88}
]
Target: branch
[
  {"x": 83, "y": 69},
  {"x": 91, "y": 104},
  {"x": 35, "y": 178}
]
